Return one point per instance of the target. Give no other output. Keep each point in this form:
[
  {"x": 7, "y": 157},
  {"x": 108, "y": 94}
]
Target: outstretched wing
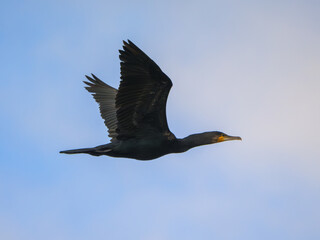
[
  {"x": 106, "y": 98},
  {"x": 142, "y": 95}
]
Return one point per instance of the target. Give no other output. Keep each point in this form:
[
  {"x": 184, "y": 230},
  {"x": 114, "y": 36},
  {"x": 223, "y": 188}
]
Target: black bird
[{"x": 136, "y": 113}]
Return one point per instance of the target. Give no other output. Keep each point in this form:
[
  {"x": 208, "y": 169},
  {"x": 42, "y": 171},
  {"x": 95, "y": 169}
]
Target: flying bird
[{"x": 135, "y": 114}]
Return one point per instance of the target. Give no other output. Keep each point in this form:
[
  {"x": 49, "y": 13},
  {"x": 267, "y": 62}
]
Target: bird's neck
[{"x": 194, "y": 140}]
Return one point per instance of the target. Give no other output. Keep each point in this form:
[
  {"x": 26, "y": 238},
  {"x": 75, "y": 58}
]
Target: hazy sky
[{"x": 247, "y": 68}]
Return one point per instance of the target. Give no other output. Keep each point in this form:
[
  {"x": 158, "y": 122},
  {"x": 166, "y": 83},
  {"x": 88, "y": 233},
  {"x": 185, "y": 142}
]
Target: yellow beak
[{"x": 228, "y": 138}]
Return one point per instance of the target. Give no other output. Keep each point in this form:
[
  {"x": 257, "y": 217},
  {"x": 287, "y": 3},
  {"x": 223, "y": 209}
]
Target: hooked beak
[{"x": 228, "y": 138}]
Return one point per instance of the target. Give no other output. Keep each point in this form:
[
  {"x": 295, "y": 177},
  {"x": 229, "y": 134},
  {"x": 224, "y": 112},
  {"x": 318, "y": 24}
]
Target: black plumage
[{"x": 135, "y": 115}]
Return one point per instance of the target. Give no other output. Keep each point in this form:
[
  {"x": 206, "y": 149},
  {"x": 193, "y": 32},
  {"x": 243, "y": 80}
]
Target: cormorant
[{"x": 136, "y": 113}]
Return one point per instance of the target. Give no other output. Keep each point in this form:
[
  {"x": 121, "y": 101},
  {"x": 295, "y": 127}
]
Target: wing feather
[
  {"x": 142, "y": 96},
  {"x": 105, "y": 96},
  {"x": 138, "y": 108}
]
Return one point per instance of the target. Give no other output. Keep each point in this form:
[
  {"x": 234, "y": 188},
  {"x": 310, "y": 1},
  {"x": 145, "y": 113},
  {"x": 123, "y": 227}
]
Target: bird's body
[
  {"x": 141, "y": 149},
  {"x": 136, "y": 113}
]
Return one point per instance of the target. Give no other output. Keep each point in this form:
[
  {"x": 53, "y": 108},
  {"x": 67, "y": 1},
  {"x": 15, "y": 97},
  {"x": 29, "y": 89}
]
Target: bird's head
[
  {"x": 205, "y": 138},
  {"x": 217, "y": 137}
]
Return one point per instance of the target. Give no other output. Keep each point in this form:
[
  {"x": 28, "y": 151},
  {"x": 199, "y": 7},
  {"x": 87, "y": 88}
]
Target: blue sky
[{"x": 248, "y": 68}]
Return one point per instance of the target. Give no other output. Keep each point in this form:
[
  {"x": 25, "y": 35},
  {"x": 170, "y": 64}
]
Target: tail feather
[
  {"x": 96, "y": 151},
  {"x": 81, "y": 150}
]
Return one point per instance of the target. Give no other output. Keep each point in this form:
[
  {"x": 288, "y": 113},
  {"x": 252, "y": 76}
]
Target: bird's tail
[
  {"x": 81, "y": 150},
  {"x": 95, "y": 151}
]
